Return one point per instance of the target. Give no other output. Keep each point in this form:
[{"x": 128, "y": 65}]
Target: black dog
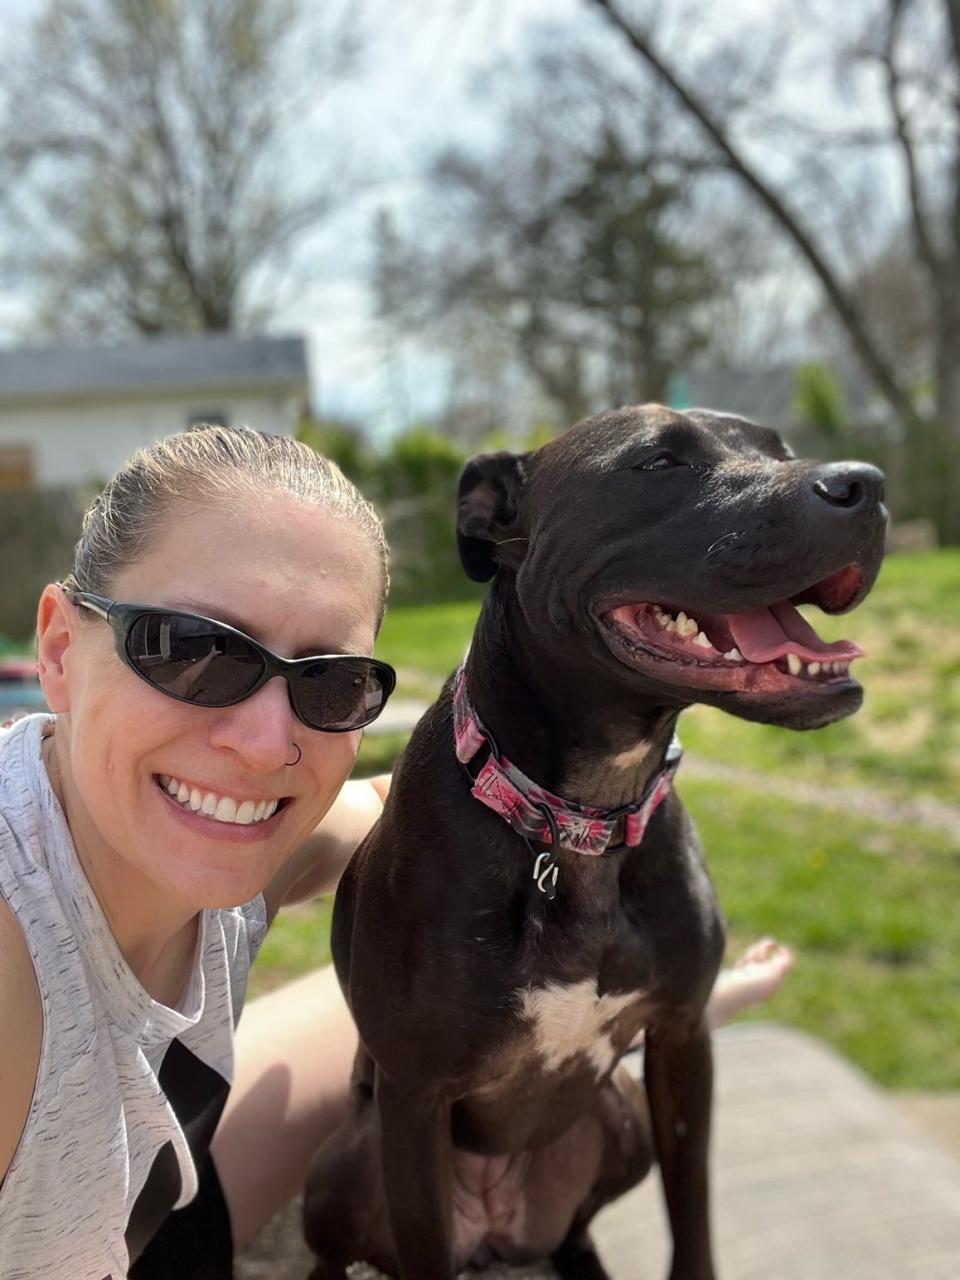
[{"x": 645, "y": 560}]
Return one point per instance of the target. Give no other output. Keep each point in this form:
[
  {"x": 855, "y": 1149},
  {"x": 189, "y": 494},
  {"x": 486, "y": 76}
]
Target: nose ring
[{"x": 291, "y": 763}]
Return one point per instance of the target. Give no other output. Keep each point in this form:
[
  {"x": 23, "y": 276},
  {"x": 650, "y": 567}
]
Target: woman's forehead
[{"x": 283, "y": 568}]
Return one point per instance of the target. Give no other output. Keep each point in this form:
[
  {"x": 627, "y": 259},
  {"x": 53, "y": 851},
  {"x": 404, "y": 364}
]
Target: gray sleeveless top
[{"x": 128, "y": 1090}]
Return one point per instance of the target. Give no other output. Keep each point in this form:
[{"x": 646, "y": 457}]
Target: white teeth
[
  {"x": 734, "y": 656},
  {"x": 813, "y": 668},
  {"x": 226, "y": 810},
  {"x": 794, "y": 664},
  {"x": 221, "y": 808},
  {"x": 702, "y": 641}
]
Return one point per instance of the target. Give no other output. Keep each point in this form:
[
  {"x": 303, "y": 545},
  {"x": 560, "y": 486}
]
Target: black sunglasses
[{"x": 210, "y": 664}]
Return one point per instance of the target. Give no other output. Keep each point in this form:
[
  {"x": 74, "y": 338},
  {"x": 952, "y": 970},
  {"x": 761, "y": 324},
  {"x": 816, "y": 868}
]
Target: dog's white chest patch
[{"x": 573, "y": 1019}]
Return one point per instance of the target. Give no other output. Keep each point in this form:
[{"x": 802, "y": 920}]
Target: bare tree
[
  {"x": 145, "y": 157},
  {"x": 570, "y": 234},
  {"x": 915, "y": 45}
]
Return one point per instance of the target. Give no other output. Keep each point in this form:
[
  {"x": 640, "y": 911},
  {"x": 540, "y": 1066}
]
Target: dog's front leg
[
  {"x": 417, "y": 1175},
  {"x": 678, "y": 1072}
]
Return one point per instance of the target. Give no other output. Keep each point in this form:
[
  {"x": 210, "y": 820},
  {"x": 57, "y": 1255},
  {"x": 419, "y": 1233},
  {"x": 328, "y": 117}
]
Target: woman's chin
[{"x": 213, "y": 865}]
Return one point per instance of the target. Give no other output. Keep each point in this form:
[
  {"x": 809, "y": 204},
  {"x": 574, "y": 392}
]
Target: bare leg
[
  {"x": 295, "y": 1049},
  {"x": 755, "y": 978}
]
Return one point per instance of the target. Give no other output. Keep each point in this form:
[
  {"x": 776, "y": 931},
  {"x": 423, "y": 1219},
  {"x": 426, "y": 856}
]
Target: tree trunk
[{"x": 943, "y": 449}]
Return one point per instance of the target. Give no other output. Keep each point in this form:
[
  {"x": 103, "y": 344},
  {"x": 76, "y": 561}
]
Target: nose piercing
[{"x": 299, "y": 755}]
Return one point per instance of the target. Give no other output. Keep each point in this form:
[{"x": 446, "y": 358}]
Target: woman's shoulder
[
  {"x": 20, "y": 766},
  {"x": 21, "y": 1034}
]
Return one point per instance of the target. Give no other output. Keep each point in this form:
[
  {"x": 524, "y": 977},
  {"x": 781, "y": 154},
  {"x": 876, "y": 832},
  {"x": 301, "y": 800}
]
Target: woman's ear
[{"x": 55, "y": 628}]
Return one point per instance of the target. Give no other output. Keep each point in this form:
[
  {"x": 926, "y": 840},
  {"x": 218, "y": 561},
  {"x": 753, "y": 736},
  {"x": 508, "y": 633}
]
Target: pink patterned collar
[{"x": 537, "y": 814}]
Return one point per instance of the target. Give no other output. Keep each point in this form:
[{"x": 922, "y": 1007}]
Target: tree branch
[
  {"x": 923, "y": 240},
  {"x": 844, "y": 306}
]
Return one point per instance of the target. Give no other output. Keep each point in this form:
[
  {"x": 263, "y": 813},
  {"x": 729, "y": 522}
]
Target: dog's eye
[{"x": 659, "y": 462}]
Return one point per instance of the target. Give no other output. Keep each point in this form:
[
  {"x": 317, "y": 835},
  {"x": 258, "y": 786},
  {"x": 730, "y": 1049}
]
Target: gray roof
[{"x": 173, "y": 364}]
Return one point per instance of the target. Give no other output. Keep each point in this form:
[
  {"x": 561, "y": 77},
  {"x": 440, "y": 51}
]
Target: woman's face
[{"x": 298, "y": 579}]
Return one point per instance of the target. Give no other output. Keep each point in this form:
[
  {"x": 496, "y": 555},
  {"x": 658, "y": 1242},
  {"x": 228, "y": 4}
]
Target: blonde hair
[{"x": 215, "y": 463}]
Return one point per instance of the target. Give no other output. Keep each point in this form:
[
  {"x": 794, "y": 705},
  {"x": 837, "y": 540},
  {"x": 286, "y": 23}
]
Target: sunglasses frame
[{"x": 122, "y": 618}]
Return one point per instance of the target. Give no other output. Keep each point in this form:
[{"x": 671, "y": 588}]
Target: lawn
[{"x": 868, "y": 906}]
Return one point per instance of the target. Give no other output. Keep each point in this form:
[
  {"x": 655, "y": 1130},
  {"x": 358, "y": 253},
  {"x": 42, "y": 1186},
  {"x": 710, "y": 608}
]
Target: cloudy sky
[
  {"x": 413, "y": 91},
  {"x": 414, "y": 82}
]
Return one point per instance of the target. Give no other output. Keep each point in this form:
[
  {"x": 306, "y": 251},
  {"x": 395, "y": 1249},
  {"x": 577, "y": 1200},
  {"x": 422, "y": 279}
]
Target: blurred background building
[{"x": 71, "y": 415}]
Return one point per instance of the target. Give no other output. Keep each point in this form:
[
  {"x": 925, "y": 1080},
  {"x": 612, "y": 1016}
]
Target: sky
[
  {"x": 414, "y": 80},
  {"x": 413, "y": 92}
]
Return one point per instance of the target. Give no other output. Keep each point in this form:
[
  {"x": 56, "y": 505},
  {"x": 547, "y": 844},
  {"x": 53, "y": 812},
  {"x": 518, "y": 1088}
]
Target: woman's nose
[{"x": 261, "y": 729}]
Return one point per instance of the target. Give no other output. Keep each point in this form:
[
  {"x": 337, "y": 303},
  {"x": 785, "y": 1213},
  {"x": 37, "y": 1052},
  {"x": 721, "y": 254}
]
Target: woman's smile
[
  {"x": 219, "y": 806},
  {"x": 236, "y": 829}
]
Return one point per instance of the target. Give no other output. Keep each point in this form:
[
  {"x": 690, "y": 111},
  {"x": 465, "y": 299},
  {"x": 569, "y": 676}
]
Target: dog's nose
[{"x": 852, "y": 486}]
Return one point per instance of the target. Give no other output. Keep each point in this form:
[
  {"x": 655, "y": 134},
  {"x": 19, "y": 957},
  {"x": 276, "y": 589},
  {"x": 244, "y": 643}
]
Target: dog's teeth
[
  {"x": 794, "y": 664},
  {"x": 687, "y": 626},
  {"x": 843, "y": 667},
  {"x": 702, "y": 641},
  {"x": 670, "y": 625},
  {"x": 734, "y": 656},
  {"x": 813, "y": 668}
]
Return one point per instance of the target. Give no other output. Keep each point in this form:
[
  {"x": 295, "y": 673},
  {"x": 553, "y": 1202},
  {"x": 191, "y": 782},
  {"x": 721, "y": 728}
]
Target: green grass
[
  {"x": 425, "y": 643},
  {"x": 297, "y": 941},
  {"x": 867, "y": 908},
  {"x": 10, "y": 648}
]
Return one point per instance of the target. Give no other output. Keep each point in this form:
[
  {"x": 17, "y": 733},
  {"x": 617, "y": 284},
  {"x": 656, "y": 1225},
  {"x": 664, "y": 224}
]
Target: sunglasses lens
[
  {"x": 193, "y": 659},
  {"x": 346, "y": 693}
]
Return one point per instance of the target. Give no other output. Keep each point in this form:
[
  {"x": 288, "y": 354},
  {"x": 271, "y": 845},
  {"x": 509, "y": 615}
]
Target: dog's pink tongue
[{"x": 764, "y": 634}]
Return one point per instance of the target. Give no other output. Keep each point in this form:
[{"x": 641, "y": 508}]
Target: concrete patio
[{"x": 818, "y": 1175}]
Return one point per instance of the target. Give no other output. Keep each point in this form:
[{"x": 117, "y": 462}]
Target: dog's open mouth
[{"x": 761, "y": 650}]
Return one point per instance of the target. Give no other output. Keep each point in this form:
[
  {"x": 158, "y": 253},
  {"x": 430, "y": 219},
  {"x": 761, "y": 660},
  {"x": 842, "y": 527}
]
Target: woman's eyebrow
[{"x": 220, "y": 614}]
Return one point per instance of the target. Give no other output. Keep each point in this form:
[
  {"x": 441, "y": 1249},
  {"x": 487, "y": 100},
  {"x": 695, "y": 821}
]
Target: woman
[{"x": 150, "y": 831}]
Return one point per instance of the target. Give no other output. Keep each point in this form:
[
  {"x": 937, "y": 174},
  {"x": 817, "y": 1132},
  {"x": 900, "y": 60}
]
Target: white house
[{"x": 72, "y": 414}]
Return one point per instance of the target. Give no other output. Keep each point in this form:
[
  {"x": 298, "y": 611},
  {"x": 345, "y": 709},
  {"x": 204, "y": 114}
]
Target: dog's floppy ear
[{"x": 488, "y": 534}]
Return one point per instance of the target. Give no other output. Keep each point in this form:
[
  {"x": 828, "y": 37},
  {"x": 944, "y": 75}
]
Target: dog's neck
[{"x": 567, "y": 731}]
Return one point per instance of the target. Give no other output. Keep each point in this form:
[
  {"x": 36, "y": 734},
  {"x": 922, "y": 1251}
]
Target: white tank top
[{"x": 128, "y": 1090}]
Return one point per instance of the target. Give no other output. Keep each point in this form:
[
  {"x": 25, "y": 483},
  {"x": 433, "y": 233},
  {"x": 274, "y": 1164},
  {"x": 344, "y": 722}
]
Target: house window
[
  {"x": 16, "y": 467},
  {"x": 208, "y": 417}
]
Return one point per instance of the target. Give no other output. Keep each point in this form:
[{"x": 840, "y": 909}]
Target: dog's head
[{"x": 668, "y": 551}]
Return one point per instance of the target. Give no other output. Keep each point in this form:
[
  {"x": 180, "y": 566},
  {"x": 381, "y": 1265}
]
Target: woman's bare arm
[{"x": 21, "y": 1032}]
